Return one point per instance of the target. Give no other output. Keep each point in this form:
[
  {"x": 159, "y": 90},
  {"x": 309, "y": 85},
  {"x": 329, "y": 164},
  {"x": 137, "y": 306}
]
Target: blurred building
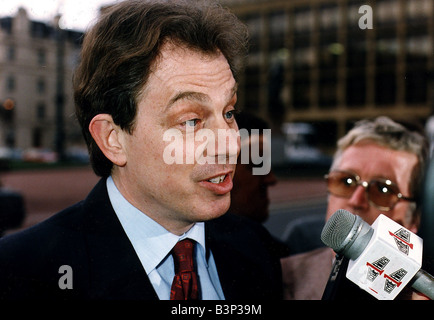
[
  {"x": 310, "y": 61},
  {"x": 36, "y": 103}
]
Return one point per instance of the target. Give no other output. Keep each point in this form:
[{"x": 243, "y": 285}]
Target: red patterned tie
[{"x": 184, "y": 286}]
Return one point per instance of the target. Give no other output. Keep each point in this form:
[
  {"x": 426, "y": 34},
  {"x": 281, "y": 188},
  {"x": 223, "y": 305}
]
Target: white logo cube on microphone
[{"x": 390, "y": 260}]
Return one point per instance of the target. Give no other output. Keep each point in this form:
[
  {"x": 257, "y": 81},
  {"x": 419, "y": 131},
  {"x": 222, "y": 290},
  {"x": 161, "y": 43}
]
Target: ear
[{"x": 108, "y": 137}]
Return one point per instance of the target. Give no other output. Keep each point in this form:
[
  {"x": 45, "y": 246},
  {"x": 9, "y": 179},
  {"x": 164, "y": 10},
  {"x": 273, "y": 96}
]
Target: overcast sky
[{"x": 76, "y": 14}]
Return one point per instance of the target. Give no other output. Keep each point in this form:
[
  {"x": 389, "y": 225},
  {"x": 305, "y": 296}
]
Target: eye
[
  {"x": 349, "y": 181},
  {"x": 191, "y": 123},
  {"x": 385, "y": 188},
  {"x": 230, "y": 115}
]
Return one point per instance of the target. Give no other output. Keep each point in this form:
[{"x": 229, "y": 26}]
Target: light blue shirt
[{"x": 153, "y": 244}]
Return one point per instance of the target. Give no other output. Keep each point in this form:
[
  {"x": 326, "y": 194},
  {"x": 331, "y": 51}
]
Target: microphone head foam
[{"x": 337, "y": 228}]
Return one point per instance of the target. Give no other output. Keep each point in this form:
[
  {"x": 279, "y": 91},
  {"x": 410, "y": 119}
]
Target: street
[{"x": 48, "y": 191}]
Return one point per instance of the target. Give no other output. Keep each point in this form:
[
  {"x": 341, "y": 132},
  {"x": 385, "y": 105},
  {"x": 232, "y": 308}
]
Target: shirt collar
[{"x": 151, "y": 241}]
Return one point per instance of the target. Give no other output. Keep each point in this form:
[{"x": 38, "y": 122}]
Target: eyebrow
[
  {"x": 195, "y": 96},
  {"x": 188, "y": 95}
]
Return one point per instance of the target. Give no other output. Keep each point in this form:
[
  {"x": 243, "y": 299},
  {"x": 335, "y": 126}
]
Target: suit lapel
[
  {"x": 229, "y": 269},
  {"x": 234, "y": 267},
  {"x": 115, "y": 269}
]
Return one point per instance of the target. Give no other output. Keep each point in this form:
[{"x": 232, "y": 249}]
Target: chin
[{"x": 215, "y": 209}]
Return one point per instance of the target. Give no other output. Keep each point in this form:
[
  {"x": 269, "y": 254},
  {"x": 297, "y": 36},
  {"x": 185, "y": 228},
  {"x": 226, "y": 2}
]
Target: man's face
[
  {"x": 186, "y": 90},
  {"x": 371, "y": 161}
]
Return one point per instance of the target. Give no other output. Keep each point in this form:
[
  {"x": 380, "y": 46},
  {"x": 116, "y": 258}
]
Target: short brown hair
[{"x": 120, "y": 48}]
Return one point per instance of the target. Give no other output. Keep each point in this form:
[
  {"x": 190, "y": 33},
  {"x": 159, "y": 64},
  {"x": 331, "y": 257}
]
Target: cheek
[
  {"x": 400, "y": 214},
  {"x": 145, "y": 154},
  {"x": 334, "y": 204},
  {"x": 151, "y": 145}
]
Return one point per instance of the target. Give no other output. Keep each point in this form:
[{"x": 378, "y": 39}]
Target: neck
[{"x": 171, "y": 222}]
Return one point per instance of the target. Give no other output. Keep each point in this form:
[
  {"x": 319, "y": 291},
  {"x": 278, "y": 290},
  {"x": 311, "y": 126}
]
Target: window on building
[
  {"x": 40, "y": 85},
  {"x": 416, "y": 85},
  {"x": 386, "y": 59},
  {"x": 419, "y": 9},
  {"x": 304, "y": 58},
  {"x": 387, "y": 51},
  {"x": 386, "y": 12},
  {"x": 41, "y": 56},
  {"x": 278, "y": 26},
  {"x": 356, "y": 60},
  {"x": 356, "y": 50},
  {"x": 418, "y": 50},
  {"x": 275, "y": 86},
  {"x": 301, "y": 90},
  {"x": 385, "y": 87},
  {"x": 10, "y": 84},
  {"x": 356, "y": 88},
  {"x": 252, "y": 87},
  {"x": 329, "y": 55},
  {"x": 327, "y": 89},
  {"x": 329, "y": 18},
  {"x": 37, "y": 137},
  {"x": 303, "y": 20},
  {"x": 40, "y": 111},
  {"x": 254, "y": 24},
  {"x": 10, "y": 53}
]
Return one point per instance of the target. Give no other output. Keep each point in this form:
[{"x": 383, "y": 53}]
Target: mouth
[
  {"x": 219, "y": 185},
  {"x": 218, "y": 179}
]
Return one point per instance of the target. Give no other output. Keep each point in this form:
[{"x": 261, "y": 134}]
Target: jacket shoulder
[
  {"x": 31, "y": 260},
  {"x": 305, "y": 274}
]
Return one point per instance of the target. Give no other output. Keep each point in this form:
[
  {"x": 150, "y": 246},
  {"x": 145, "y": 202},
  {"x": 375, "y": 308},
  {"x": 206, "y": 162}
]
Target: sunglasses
[{"x": 381, "y": 193}]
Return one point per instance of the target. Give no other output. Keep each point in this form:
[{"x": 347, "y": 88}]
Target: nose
[
  {"x": 223, "y": 144},
  {"x": 359, "y": 199}
]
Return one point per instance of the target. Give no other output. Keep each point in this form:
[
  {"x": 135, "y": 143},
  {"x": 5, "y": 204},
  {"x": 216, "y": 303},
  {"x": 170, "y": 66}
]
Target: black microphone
[{"x": 349, "y": 235}]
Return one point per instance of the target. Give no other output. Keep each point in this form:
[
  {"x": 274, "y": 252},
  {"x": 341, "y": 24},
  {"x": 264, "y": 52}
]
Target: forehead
[
  {"x": 370, "y": 160},
  {"x": 179, "y": 64},
  {"x": 181, "y": 74}
]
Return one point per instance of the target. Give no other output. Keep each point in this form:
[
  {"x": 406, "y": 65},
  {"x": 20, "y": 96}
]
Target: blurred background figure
[{"x": 250, "y": 193}]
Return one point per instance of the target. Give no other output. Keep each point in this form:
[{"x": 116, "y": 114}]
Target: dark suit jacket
[{"x": 89, "y": 238}]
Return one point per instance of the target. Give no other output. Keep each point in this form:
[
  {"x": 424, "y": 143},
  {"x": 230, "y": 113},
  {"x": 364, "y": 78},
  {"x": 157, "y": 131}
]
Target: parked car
[{"x": 40, "y": 155}]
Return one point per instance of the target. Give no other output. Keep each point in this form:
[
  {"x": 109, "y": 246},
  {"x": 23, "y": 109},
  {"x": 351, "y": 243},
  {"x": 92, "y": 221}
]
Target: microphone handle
[
  {"x": 335, "y": 277},
  {"x": 424, "y": 283}
]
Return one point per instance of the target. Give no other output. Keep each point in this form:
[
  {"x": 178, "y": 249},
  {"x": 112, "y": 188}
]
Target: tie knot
[{"x": 183, "y": 256}]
